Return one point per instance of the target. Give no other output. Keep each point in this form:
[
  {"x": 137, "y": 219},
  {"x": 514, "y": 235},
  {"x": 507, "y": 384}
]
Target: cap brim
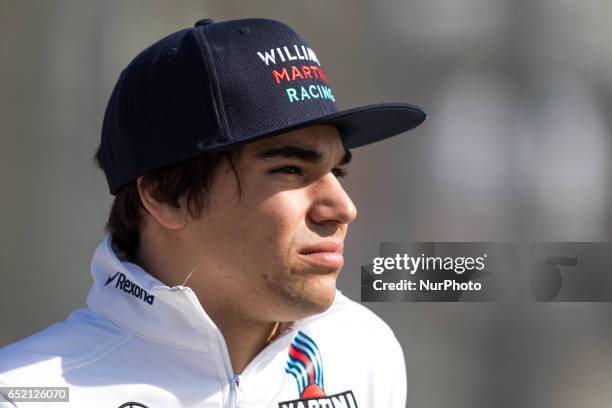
[
  {"x": 357, "y": 126},
  {"x": 368, "y": 124}
]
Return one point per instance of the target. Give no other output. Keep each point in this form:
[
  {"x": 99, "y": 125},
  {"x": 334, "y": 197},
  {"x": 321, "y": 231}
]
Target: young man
[{"x": 216, "y": 285}]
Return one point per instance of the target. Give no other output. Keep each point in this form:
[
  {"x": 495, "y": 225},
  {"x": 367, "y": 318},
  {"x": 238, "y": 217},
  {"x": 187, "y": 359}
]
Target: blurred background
[{"x": 517, "y": 148}]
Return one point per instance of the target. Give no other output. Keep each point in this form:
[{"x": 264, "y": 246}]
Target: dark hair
[{"x": 191, "y": 178}]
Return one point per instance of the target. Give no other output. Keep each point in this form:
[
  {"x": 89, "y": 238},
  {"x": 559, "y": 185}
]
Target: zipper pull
[{"x": 234, "y": 393}]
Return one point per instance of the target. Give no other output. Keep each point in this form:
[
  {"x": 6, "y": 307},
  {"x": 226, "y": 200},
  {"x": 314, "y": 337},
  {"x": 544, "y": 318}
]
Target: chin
[
  {"x": 324, "y": 301},
  {"x": 314, "y": 297},
  {"x": 301, "y": 295},
  {"x": 326, "y": 305}
]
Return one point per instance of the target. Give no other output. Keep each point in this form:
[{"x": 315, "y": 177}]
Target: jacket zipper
[
  {"x": 232, "y": 378},
  {"x": 234, "y": 391}
]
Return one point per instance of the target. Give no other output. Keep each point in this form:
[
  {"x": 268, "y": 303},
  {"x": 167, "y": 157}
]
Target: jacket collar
[{"x": 127, "y": 295}]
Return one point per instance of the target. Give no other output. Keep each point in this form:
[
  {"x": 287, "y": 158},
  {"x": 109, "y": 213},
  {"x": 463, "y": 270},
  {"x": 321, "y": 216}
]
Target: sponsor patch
[
  {"x": 305, "y": 364},
  {"x": 129, "y": 287}
]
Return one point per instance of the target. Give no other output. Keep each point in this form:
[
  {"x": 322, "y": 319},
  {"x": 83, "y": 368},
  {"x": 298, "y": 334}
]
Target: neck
[
  {"x": 244, "y": 336},
  {"x": 244, "y": 339}
]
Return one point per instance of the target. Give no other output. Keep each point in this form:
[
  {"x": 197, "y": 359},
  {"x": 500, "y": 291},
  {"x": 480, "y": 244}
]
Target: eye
[
  {"x": 288, "y": 170},
  {"x": 340, "y": 172}
]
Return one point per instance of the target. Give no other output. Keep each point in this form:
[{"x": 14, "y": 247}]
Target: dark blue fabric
[{"x": 219, "y": 85}]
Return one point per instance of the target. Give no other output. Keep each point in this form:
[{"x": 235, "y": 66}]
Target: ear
[{"x": 165, "y": 214}]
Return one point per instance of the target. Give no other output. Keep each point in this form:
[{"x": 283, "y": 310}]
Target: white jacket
[{"x": 142, "y": 341}]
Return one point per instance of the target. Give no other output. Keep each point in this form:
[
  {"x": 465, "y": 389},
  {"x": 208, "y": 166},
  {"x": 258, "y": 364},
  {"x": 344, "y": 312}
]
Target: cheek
[
  {"x": 269, "y": 231},
  {"x": 281, "y": 225}
]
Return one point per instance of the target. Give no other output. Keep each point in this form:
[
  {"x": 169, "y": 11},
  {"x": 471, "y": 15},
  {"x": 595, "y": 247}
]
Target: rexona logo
[
  {"x": 306, "y": 366},
  {"x": 126, "y": 285}
]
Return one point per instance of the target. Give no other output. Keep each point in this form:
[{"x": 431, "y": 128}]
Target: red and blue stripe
[{"x": 305, "y": 363}]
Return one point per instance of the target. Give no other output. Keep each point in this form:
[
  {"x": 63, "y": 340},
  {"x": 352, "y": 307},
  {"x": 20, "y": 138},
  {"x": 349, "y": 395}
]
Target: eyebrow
[{"x": 300, "y": 153}]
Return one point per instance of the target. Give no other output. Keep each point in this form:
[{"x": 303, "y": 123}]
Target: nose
[{"x": 331, "y": 202}]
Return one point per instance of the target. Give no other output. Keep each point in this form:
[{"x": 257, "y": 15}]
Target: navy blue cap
[{"x": 219, "y": 85}]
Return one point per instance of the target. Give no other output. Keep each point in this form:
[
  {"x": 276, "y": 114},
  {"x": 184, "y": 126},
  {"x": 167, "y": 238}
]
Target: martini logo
[
  {"x": 306, "y": 366},
  {"x": 129, "y": 287}
]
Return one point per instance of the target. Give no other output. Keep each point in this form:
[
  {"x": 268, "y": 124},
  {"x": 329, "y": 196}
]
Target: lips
[{"x": 327, "y": 254}]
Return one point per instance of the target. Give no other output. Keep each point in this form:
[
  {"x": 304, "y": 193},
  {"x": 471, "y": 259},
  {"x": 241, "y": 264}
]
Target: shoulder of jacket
[
  {"x": 353, "y": 319},
  {"x": 43, "y": 357}
]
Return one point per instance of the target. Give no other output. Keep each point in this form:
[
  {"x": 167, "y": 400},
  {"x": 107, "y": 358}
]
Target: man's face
[{"x": 274, "y": 250}]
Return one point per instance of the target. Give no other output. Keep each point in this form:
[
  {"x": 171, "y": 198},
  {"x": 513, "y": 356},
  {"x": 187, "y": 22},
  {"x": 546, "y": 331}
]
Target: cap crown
[
  {"x": 209, "y": 88},
  {"x": 268, "y": 75}
]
